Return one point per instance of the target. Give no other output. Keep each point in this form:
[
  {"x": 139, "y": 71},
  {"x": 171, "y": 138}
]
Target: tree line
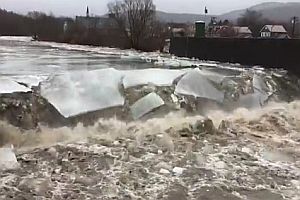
[
  {"x": 34, "y": 23},
  {"x": 136, "y": 27}
]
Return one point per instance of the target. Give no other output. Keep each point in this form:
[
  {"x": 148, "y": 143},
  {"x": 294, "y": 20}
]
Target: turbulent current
[{"x": 81, "y": 122}]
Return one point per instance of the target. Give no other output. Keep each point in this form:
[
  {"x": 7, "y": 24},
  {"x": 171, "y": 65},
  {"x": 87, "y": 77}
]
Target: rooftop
[
  {"x": 275, "y": 28},
  {"x": 242, "y": 30}
]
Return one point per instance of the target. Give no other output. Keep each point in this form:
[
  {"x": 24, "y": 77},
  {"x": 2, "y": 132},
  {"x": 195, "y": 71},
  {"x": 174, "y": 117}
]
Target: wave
[{"x": 281, "y": 120}]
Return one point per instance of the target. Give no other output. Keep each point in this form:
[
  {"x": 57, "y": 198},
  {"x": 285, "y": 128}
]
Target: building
[
  {"x": 226, "y": 31},
  {"x": 274, "y": 31},
  {"x": 242, "y": 32},
  {"x": 94, "y": 22}
]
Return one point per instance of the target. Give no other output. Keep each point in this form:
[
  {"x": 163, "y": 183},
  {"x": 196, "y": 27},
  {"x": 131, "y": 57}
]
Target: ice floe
[
  {"x": 29, "y": 80},
  {"x": 8, "y": 159},
  {"x": 83, "y": 91},
  {"x": 158, "y": 77},
  {"x": 258, "y": 97},
  {"x": 16, "y": 38},
  {"x": 213, "y": 76},
  {"x": 145, "y": 105},
  {"x": 9, "y": 86},
  {"x": 194, "y": 83}
]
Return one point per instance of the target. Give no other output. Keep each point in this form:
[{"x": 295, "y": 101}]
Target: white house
[{"x": 274, "y": 31}]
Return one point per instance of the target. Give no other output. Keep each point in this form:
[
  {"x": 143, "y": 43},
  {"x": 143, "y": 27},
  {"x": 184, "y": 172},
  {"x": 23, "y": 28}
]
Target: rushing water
[{"x": 247, "y": 153}]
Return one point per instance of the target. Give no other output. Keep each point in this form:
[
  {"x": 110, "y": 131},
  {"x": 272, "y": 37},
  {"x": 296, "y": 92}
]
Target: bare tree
[{"x": 134, "y": 18}]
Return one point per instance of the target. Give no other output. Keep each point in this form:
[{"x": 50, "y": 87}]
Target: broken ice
[
  {"x": 146, "y": 105},
  {"x": 9, "y": 86},
  {"x": 158, "y": 77},
  {"x": 29, "y": 80},
  {"x": 178, "y": 171},
  {"x": 8, "y": 159},
  {"x": 194, "y": 83},
  {"x": 258, "y": 97},
  {"x": 85, "y": 91}
]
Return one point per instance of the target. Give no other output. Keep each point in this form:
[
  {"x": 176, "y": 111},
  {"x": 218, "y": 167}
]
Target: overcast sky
[{"x": 98, "y": 7}]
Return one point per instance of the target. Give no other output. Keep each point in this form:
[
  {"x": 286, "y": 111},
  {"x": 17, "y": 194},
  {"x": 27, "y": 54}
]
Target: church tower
[{"x": 87, "y": 12}]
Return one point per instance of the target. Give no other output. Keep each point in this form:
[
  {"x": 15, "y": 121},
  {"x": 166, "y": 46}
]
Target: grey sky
[{"x": 98, "y": 7}]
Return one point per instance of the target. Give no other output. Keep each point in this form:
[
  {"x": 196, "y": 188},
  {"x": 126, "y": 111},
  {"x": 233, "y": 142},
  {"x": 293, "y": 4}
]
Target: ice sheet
[
  {"x": 9, "y": 86},
  {"x": 173, "y": 62},
  {"x": 29, "y": 80},
  {"x": 8, "y": 159},
  {"x": 259, "y": 83},
  {"x": 146, "y": 105},
  {"x": 258, "y": 98},
  {"x": 213, "y": 76},
  {"x": 254, "y": 100},
  {"x": 158, "y": 77},
  {"x": 16, "y": 38},
  {"x": 79, "y": 92},
  {"x": 208, "y": 64},
  {"x": 194, "y": 83}
]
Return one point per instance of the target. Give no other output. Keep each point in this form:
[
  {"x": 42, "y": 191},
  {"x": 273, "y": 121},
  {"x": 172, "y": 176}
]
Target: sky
[{"x": 99, "y": 7}]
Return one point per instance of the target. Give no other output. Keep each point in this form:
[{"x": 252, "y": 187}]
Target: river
[{"x": 140, "y": 125}]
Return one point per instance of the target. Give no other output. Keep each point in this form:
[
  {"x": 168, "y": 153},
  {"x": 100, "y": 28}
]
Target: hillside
[
  {"x": 181, "y": 18},
  {"x": 273, "y": 10}
]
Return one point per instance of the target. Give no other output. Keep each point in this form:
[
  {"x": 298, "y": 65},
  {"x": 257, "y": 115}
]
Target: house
[
  {"x": 242, "y": 32},
  {"x": 226, "y": 31},
  {"x": 274, "y": 31}
]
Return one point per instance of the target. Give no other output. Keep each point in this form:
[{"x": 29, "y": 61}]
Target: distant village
[
  {"x": 215, "y": 29},
  {"x": 226, "y": 31},
  {"x": 229, "y": 31}
]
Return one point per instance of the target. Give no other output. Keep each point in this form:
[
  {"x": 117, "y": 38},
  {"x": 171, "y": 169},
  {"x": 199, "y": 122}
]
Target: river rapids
[{"x": 80, "y": 122}]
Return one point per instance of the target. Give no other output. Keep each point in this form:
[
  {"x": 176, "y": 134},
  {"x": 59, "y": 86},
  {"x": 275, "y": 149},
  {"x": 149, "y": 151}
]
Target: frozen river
[{"x": 100, "y": 123}]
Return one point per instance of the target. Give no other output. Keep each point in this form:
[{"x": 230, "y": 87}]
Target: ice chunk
[
  {"x": 253, "y": 100},
  {"x": 146, "y": 105},
  {"x": 208, "y": 64},
  {"x": 158, "y": 77},
  {"x": 8, "y": 159},
  {"x": 213, "y": 76},
  {"x": 173, "y": 62},
  {"x": 259, "y": 83},
  {"x": 30, "y": 81},
  {"x": 80, "y": 92},
  {"x": 169, "y": 63},
  {"x": 258, "y": 97},
  {"x": 178, "y": 171},
  {"x": 9, "y": 86},
  {"x": 194, "y": 83},
  {"x": 164, "y": 171}
]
